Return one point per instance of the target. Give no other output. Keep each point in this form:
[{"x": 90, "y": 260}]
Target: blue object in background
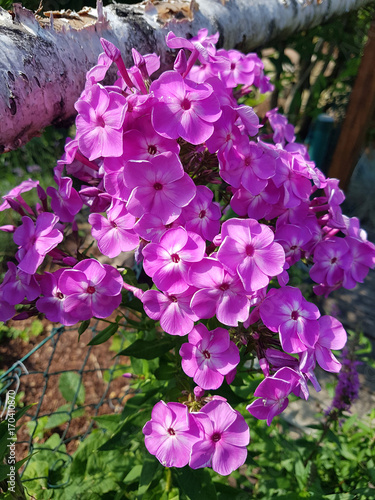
[{"x": 322, "y": 141}]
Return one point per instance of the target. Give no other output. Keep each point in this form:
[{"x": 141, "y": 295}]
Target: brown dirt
[{"x": 70, "y": 353}]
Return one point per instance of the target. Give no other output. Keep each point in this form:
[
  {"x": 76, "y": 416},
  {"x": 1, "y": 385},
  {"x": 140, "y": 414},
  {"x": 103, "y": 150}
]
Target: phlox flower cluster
[{"x": 217, "y": 208}]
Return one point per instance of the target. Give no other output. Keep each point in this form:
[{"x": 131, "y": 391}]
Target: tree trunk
[{"x": 44, "y": 60}]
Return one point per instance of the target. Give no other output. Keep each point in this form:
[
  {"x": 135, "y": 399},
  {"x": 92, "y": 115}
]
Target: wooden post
[{"x": 358, "y": 116}]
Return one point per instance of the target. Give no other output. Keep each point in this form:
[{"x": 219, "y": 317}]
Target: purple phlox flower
[
  {"x": 331, "y": 336},
  {"x": 202, "y": 215},
  {"x": 224, "y": 438},
  {"x": 198, "y": 392},
  {"x": 150, "y": 227},
  {"x": 363, "y": 254},
  {"x": 279, "y": 359},
  {"x": 7, "y": 311},
  {"x": 15, "y": 194},
  {"x": 347, "y": 389},
  {"x": 114, "y": 184},
  {"x": 220, "y": 293},
  {"x": 249, "y": 165},
  {"x": 17, "y": 284},
  {"x": 249, "y": 250},
  {"x": 170, "y": 434},
  {"x": 286, "y": 311},
  {"x": 184, "y": 109},
  {"x": 52, "y": 302},
  {"x": 92, "y": 289},
  {"x": 209, "y": 356},
  {"x": 173, "y": 311},
  {"x": 292, "y": 238},
  {"x": 262, "y": 205},
  {"x": 240, "y": 69},
  {"x": 98, "y": 72},
  {"x": 273, "y": 393},
  {"x": 295, "y": 184},
  {"x": 168, "y": 262},
  {"x": 99, "y": 123},
  {"x": 283, "y": 131},
  {"x": 225, "y": 135},
  {"x": 96, "y": 198},
  {"x": 65, "y": 201},
  {"x": 35, "y": 241},
  {"x": 114, "y": 234},
  {"x": 143, "y": 143},
  {"x": 159, "y": 186},
  {"x": 332, "y": 259},
  {"x": 249, "y": 119}
]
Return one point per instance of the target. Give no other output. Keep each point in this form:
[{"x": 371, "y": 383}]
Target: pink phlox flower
[
  {"x": 331, "y": 336},
  {"x": 273, "y": 394},
  {"x": 143, "y": 143},
  {"x": 98, "y": 72},
  {"x": 92, "y": 289},
  {"x": 150, "y": 227},
  {"x": 225, "y": 135},
  {"x": 96, "y": 198},
  {"x": 115, "y": 233},
  {"x": 292, "y": 238},
  {"x": 255, "y": 301},
  {"x": 99, "y": 123},
  {"x": 224, "y": 438},
  {"x": 7, "y": 311},
  {"x": 65, "y": 201},
  {"x": 209, "y": 356},
  {"x": 173, "y": 311},
  {"x": 52, "y": 301},
  {"x": 15, "y": 193},
  {"x": 171, "y": 434},
  {"x": 363, "y": 253},
  {"x": 17, "y": 284},
  {"x": 159, "y": 186},
  {"x": 249, "y": 119},
  {"x": 286, "y": 311},
  {"x": 249, "y": 165},
  {"x": 240, "y": 69},
  {"x": 114, "y": 185},
  {"x": 35, "y": 241},
  {"x": 283, "y": 131},
  {"x": 262, "y": 205},
  {"x": 332, "y": 260},
  {"x": 294, "y": 183},
  {"x": 184, "y": 109},
  {"x": 202, "y": 215},
  {"x": 168, "y": 261},
  {"x": 248, "y": 248},
  {"x": 219, "y": 293}
]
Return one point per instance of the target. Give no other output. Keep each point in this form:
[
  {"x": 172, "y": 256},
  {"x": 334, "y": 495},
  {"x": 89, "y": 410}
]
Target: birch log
[{"x": 43, "y": 60}]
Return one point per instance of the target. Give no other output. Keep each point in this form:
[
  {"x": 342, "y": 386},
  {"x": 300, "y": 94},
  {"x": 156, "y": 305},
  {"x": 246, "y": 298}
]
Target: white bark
[{"x": 43, "y": 63}]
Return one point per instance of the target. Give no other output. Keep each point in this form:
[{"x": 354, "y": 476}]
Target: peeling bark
[{"x": 43, "y": 61}]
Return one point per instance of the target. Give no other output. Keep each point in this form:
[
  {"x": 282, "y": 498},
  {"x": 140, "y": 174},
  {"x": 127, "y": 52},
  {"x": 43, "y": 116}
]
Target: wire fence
[{"x": 77, "y": 387}]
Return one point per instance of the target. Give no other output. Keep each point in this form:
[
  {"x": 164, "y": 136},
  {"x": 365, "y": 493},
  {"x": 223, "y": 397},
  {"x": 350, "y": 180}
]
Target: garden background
[{"x": 79, "y": 395}]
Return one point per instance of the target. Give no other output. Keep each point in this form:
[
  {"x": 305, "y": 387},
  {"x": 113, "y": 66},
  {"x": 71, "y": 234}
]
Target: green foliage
[{"x": 11, "y": 332}]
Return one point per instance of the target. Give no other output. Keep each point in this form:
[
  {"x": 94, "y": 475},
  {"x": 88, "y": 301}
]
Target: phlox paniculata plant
[{"x": 217, "y": 207}]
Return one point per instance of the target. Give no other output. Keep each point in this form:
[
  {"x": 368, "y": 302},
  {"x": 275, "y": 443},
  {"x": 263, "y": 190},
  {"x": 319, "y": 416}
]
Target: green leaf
[
  {"x": 195, "y": 483},
  {"x": 143, "y": 349},
  {"x": 69, "y": 384},
  {"x": 109, "y": 422},
  {"x": 36, "y": 327},
  {"x": 134, "y": 474},
  {"x": 104, "y": 335},
  {"x": 149, "y": 468},
  {"x": 62, "y": 415},
  {"x": 83, "y": 326}
]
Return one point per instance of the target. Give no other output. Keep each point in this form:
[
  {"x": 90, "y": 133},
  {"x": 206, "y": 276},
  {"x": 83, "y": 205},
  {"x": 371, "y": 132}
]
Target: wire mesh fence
[{"x": 68, "y": 384}]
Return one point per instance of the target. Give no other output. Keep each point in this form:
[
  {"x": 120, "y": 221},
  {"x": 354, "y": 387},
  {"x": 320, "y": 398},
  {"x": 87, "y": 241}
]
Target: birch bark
[{"x": 43, "y": 61}]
